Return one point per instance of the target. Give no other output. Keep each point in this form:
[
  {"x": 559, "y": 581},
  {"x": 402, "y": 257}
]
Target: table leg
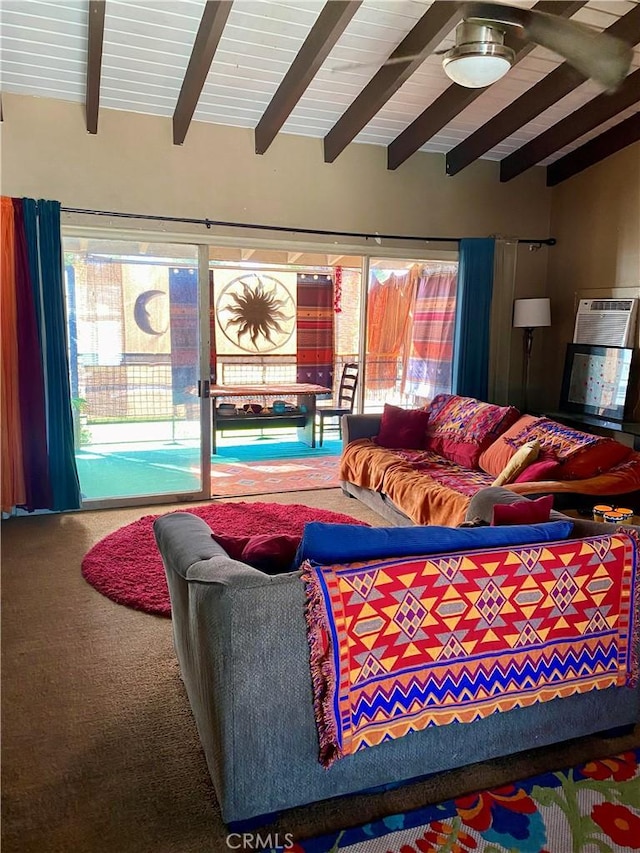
[
  {"x": 307, "y": 433},
  {"x": 214, "y": 428}
]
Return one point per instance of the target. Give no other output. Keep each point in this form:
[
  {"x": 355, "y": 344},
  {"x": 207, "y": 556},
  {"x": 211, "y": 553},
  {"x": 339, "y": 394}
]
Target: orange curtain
[
  {"x": 13, "y": 489},
  {"x": 388, "y": 314}
]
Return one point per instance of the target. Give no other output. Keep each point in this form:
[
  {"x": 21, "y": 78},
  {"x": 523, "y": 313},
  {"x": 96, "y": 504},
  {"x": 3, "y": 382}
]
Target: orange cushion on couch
[{"x": 495, "y": 458}]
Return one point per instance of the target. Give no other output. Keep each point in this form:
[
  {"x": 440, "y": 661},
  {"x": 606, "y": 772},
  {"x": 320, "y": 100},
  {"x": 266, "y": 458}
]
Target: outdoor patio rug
[
  {"x": 593, "y": 807},
  {"x": 126, "y": 565},
  {"x": 234, "y": 479}
]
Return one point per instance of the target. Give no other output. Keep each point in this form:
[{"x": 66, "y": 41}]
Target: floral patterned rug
[{"x": 594, "y": 808}]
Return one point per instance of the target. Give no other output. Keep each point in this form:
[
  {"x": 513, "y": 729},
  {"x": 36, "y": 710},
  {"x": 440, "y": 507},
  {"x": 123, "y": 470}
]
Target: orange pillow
[{"x": 495, "y": 458}]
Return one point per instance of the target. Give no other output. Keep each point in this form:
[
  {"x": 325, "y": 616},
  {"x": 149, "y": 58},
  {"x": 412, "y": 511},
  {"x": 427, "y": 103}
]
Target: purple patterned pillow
[
  {"x": 556, "y": 440},
  {"x": 460, "y": 428}
]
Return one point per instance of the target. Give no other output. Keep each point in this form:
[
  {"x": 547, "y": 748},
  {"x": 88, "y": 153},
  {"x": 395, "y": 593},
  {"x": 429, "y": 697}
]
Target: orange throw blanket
[{"x": 439, "y": 499}]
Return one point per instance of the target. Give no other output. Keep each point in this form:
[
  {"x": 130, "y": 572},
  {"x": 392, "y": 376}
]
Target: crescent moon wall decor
[
  {"x": 144, "y": 317},
  {"x": 145, "y": 308}
]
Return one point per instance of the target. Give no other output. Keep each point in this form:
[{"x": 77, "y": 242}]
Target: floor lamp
[{"x": 529, "y": 314}]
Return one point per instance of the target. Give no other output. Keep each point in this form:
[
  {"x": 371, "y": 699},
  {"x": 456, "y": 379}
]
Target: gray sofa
[{"x": 240, "y": 639}]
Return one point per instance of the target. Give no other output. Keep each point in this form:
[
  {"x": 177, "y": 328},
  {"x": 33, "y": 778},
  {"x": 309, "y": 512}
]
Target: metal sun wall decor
[{"x": 255, "y": 312}]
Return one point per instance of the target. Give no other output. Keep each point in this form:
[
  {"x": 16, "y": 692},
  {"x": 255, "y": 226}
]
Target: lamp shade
[{"x": 531, "y": 313}]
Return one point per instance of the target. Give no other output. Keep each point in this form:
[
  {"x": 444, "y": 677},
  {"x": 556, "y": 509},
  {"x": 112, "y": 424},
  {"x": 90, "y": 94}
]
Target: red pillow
[
  {"x": 541, "y": 469},
  {"x": 523, "y": 512},
  {"x": 270, "y": 552},
  {"x": 406, "y": 428},
  {"x": 233, "y": 545},
  {"x": 601, "y": 456}
]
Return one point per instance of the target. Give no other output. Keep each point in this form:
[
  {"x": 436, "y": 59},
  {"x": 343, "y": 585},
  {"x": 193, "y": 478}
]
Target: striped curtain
[
  {"x": 37, "y": 446},
  {"x": 314, "y": 356},
  {"x": 428, "y": 368}
]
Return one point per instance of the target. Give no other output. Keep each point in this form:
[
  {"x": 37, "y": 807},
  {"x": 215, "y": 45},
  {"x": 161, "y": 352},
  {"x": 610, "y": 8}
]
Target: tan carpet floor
[{"x": 99, "y": 749}]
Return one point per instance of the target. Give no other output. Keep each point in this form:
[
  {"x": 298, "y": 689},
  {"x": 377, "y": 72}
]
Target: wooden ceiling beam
[
  {"x": 598, "y": 110},
  {"x": 331, "y": 23},
  {"x": 615, "y": 139},
  {"x": 95, "y": 38},
  {"x": 456, "y": 98},
  {"x": 422, "y": 40},
  {"x": 537, "y": 99},
  {"x": 205, "y": 45}
]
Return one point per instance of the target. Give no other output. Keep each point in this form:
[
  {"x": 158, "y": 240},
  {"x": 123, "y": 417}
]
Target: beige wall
[
  {"x": 131, "y": 165},
  {"x": 595, "y": 217}
]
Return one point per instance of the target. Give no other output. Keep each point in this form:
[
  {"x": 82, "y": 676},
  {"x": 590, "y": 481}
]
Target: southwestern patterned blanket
[{"x": 397, "y": 645}]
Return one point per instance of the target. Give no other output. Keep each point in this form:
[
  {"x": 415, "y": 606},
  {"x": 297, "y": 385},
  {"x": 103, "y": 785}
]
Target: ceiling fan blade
[{"x": 600, "y": 56}]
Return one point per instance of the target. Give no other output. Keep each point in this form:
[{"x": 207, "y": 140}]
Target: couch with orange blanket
[{"x": 423, "y": 466}]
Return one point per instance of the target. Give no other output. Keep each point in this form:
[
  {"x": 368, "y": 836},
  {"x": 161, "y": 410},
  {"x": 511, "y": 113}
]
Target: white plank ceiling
[{"x": 147, "y": 46}]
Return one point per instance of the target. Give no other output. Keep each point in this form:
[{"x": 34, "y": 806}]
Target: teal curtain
[
  {"x": 473, "y": 318},
  {"x": 44, "y": 247}
]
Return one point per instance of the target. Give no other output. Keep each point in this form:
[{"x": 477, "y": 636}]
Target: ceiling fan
[{"x": 480, "y": 56}]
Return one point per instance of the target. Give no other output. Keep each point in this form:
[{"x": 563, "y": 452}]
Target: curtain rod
[{"x": 549, "y": 241}]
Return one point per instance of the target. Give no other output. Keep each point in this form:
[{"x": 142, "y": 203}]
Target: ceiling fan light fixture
[{"x": 479, "y": 57}]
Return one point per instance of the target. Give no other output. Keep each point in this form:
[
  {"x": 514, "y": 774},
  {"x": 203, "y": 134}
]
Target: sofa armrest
[
  {"x": 360, "y": 426},
  {"x": 482, "y": 503}
]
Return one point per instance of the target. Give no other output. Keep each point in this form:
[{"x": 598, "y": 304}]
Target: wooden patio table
[{"x": 303, "y": 416}]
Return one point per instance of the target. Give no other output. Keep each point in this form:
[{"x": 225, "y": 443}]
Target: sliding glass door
[{"x": 134, "y": 347}]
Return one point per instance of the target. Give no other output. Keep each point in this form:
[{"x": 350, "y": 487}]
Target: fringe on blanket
[{"x": 323, "y": 673}]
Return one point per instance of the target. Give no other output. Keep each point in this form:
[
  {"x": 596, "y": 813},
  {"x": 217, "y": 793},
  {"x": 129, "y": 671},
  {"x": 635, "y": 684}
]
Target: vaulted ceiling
[{"x": 318, "y": 69}]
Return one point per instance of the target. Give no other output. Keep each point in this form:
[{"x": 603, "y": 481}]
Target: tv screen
[{"x": 595, "y": 380}]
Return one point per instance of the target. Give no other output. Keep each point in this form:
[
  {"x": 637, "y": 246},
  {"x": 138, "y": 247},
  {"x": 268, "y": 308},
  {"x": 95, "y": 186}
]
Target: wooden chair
[{"x": 344, "y": 403}]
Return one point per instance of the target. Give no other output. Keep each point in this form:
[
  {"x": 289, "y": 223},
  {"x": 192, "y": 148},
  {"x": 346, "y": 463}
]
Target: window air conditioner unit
[{"x": 606, "y": 322}]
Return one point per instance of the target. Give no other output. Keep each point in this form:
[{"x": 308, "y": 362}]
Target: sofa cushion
[
  {"x": 599, "y": 457},
  {"x": 328, "y": 544},
  {"x": 527, "y": 454},
  {"x": 400, "y": 427},
  {"x": 497, "y": 455},
  {"x": 460, "y": 428},
  {"x": 581, "y": 454},
  {"x": 544, "y": 468},
  {"x": 523, "y": 512},
  {"x": 272, "y": 553}
]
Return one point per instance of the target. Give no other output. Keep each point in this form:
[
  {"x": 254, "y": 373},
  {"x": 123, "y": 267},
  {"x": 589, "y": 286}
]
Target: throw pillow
[
  {"x": 233, "y": 545},
  {"x": 523, "y": 512},
  {"x": 272, "y": 553},
  {"x": 527, "y": 454},
  {"x": 499, "y": 452},
  {"x": 328, "y": 544},
  {"x": 405, "y": 428},
  {"x": 600, "y": 456},
  {"x": 541, "y": 469},
  {"x": 460, "y": 428},
  {"x": 581, "y": 454}
]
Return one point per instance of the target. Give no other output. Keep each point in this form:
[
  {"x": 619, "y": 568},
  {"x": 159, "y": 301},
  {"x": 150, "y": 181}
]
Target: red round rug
[{"x": 126, "y": 565}]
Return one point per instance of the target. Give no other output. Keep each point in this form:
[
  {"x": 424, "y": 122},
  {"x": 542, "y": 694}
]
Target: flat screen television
[{"x": 596, "y": 380}]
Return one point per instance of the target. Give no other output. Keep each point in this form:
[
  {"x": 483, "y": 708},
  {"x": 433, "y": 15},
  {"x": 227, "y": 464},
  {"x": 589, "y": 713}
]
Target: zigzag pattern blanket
[{"x": 401, "y": 644}]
